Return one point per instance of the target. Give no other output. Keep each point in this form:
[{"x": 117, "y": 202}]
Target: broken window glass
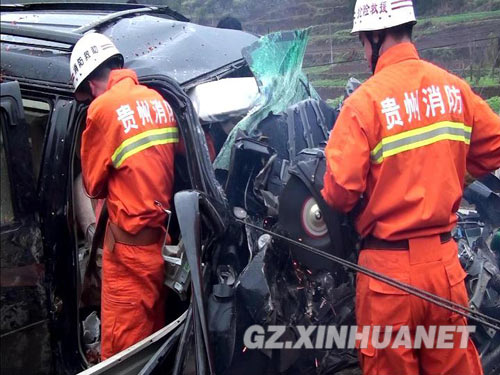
[{"x": 276, "y": 62}]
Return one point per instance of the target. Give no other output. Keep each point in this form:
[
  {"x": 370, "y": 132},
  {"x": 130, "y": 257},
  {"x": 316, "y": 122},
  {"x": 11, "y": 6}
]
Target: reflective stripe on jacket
[
  {"x": 404, "y": 141},
  {"x": 128, "y": 152}
]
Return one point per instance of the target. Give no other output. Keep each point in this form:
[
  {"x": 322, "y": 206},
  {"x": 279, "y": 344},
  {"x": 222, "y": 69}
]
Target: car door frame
[
  {"x": 53, "y": 211},
  {"x": 205, "y": 184},
  {"x": 23, "y": 281},
  {"x": 201, "y": 172},
  {"x": 56, "y": 219}
]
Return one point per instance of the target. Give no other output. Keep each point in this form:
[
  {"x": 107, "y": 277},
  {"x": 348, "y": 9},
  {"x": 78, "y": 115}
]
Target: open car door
[{"x": 24, "y": 322}]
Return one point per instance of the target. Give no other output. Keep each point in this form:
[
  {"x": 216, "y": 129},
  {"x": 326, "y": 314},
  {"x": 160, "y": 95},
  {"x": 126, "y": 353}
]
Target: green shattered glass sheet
[{"x": 276, "y": 62}]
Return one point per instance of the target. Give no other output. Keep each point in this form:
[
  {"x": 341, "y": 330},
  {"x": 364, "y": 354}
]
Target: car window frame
[
  {"x": 50, "y": 101},
  {"x": 21, "y": 177},
  {"x": 5, "y": 226}
]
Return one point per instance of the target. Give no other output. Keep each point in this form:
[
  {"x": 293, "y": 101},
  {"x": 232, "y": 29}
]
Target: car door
[{"x": 24, "y": 322}]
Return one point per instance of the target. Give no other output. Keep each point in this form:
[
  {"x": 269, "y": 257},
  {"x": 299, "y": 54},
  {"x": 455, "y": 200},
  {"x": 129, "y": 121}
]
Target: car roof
[{"x": 37, "y": 40}]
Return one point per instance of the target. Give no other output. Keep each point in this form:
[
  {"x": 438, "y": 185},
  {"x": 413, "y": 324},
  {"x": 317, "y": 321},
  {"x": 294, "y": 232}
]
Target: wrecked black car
[
  {"x": 44, "y": 248},
  {"x": 268, "y": 128}
]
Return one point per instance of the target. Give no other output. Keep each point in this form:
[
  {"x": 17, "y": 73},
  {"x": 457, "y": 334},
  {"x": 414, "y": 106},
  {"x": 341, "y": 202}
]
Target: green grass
[
  {"x": 442, "y": 53},
  {"x": 335, "y": 102},
  {"x": 427, "y": 25},
  {"x": 342, "y": 36},
  {"x": 494, "y": 103},
  {"x": 459, "y": 18},
  {"x": 338, "y": 37},
  {"x": 431, "y": 25},
  {"x": 316, "y": 69},
  {"x": 485, "y": 81},
  {"x": 329, "y": 83}
]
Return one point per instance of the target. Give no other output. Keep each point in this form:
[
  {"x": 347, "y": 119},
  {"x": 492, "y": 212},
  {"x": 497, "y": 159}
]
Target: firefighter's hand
[{"x": 468, "y": 179}]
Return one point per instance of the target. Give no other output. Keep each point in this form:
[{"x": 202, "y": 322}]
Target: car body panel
[{"x": 150, "y": 44}]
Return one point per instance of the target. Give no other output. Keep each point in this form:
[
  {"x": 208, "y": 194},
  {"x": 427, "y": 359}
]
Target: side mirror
[{"x": 224, "y": 99}]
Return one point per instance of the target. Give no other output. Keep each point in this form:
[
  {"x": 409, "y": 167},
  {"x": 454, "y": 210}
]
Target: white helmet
[
  {"x": 371, "y": 15},
  {"x": 88, "y": 53}
]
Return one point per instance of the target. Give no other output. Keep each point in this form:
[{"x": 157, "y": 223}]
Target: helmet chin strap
[{"x": 375, "y": 47}]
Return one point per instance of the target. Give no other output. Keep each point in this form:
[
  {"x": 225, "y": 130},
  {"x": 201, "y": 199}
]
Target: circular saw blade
[{"x": 302, "y": 220}]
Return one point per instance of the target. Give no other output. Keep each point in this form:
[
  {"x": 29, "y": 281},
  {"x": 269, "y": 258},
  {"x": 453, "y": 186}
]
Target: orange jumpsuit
[
  {"x": 403, "y": 141},
  {"x": 128, "y": 158}
]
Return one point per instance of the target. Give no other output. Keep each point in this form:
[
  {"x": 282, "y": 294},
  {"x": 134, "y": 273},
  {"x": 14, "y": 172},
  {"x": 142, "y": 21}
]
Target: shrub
[{"x": 494, "y": 103}]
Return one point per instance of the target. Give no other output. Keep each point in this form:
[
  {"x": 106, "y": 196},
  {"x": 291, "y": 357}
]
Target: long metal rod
[
  {"x": 24, "y": 328},
  {"x": 439, "y": 301}
]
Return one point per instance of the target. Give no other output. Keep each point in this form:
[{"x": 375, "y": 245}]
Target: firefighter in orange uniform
[
  {"x": 404, "y": 141},
  {"x": 128, "y": 158}
]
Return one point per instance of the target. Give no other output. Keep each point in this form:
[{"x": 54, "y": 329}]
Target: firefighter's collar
[
  {"x": 396, "y": 54},
  {"x": 118, "y": 75}
]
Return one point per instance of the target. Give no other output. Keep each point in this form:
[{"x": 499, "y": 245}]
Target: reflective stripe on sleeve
[
  {"x": 142, "y": 141},
  {"x": 416, "y": 138}
]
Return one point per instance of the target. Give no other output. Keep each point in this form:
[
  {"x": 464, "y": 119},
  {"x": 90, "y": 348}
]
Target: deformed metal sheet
[{"x": 149, "y": 43}]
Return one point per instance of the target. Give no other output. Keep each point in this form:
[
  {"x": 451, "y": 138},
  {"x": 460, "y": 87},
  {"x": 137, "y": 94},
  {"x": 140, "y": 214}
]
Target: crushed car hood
[{"x": 150, "y": 44}]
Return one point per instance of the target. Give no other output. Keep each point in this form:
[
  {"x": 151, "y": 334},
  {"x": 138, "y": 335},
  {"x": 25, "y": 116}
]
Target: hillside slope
[{"x": 462, "y": 36}]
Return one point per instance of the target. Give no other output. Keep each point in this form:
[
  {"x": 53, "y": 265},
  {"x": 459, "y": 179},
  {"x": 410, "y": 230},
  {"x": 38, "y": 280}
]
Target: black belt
[{"x": 371, "y": 242}]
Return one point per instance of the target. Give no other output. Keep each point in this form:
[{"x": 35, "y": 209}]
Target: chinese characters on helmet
[{"x": 371, "y": 9}]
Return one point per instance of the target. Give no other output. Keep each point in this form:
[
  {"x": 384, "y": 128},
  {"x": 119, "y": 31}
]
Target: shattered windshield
[{"x": 276, "y": 62}]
